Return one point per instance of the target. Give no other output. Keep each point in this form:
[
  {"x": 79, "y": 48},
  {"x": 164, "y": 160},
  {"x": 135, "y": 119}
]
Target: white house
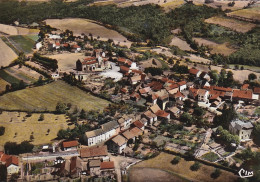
[
  {"x": 106, "y": 131},
  {"x": 182, "y": 85},
  {"x": 70, "y": 145},
  {"x": 242, "y": 129},
  {"x": 55, "y": 75},
  {"x": 11, "y": 163},
  {"x": 151, "y": 117},
  {"x": 117, "y": 144},
  {"x": 125, "y": 121},
  {"x": 203, "y": 95},
  {"x": 38, "y": 45}
]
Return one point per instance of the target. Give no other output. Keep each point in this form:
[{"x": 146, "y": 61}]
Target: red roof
[
  {"x": 89, "y": 58},
  {"x": 65, "y": 45},
  {"x": 257, "y": 90},
  {"x": 194, "y": 91},
  {"x": 75, "y": 46},
  {"x": 9, "y": 159},
  {"x": 122, "y": 60},
  {"x": 245, "y": 86},
  {"x": 173, "y": 86},
  {"x": 95, "y": 151},
  {"x": 228, "y": 89},
  {"x": 124, "y": 69},
  {"x": 107, "y": 165},
  {"x": 154, "y": 96},
  {"x": 193, "y": 71},
  {"x": 137, "y": 71},
  {"x": 243, "y": 94},
  {"x": 181, "y": 83},
  {"x": 68, "y": 144},
  {"x": 138, "y": 124},
  {"x": 57, "y": 44},
  {"x": 179, "y": 94},
  {"x": 162, "y": 113},
  {"x": 156, "y": 85}
]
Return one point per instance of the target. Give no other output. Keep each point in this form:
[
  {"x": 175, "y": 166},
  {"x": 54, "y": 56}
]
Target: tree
[
  {"x": 31, "y": 137},
  {"x": 186, "y": 118},
  {"x": 228, "y": 114},
  {"x": 83, "y": 114},
  {"x": 198, "y": 111},
  {"x": 176, "y": 160},
  {"x": 195, "y": 166},
  {"x": 3, "y": 172},
  {"x": 61, "y": 108},
  {"x": 41, "y": 118},
  {"x": 252, "y": 76},
  {"x": 216, "y": 173},
  {"x": 2, "y": 130},
  {"x": 256, "y": 133}
]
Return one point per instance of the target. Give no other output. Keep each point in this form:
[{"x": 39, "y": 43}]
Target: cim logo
[{"x": 245, "y": 174}]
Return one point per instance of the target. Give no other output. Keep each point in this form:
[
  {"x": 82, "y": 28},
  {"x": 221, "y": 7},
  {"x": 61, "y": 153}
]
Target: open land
[
  {"x": 67, "y": 61},
  {"x": 183, "y": 45},
  {"x": 7, "y": 54},
  {"x": 153, "y": 175},
  {"x": 23, "y": 126},
  {"x": 79, "y": 26},
  {"x": 45, "y": 98},
  {"x": 237, "y": 25},
  {"x": 22, "y": 43},
  {"x": 224, "y": 48},
  {"x": 3, "y": 84},
  {"x": 12, "y": 30},
  {"x": 163, "y": 162},
  {"x": 250, "y": 14}
]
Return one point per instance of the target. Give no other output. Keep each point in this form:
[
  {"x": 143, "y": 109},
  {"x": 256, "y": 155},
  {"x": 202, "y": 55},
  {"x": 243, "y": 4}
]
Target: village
[{"x": 175, "y": 111}]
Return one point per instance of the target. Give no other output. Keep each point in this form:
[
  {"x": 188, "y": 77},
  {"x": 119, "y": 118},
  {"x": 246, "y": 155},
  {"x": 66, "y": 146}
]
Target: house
[
  {"x": 104, "y": 133},
  {"x": 91, "y": 64},
  {"x": 70, "y": 145},
  {"x": 117, "y": 144},
  {"x": 174, "y": 112},
  {"x": 178, "y": 96},
  {"x": 242, "y": 129},
  {"x": 243, "y": 95},
  {"x": 182, "y": 85},
  {"x": 193, "y": 93},
  {"x": 55, "y": 75},
  {"x": 38, "y": 46},
  {"x": 204, "y": 75},
  {"x": 131, "y": 134},
  {"x": 94, "y": 152},
  {"x": 195, "y": 72},
  {"x": 151, "y": 117},
  {"x": 203, "y": 95},
  {"x": 94, "y": 167},
  {"x": 107, "y": 167},
  {"x": 162, "y": 114},
  {"x": 163, "y": 100},
  {"x": 125, "y": 121},
  {"x": 256, "y": 91},
  {"x": 138, "y": 124},
  {"x": 11, "y": 163}
]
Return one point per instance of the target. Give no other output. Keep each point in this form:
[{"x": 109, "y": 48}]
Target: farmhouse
[
  {"x": 117, "y": 144},
  {"x": 242, "y": 129},
  {"x": 91, "y": 64},
  {"x": 11, "y": 162},
  {"x": 106, "y": 131},
  {"x": 94, "y": 152},
  {"x": 70, "y": 145}
]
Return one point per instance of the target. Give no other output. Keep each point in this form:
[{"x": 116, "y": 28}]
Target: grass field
[
  {"x": 224, "y": 48},
  {"x": 22, "y": 42},
  {"x": 183, "y": 45},
  {"x": 3, "y": 84},
  {"x": 7, "y": 54},
  {"x": 252, "y": 68},
  {"x": 211, "y": 156},
  {"x": 233, "y": 24},
  {"x": 250, "y": 14},
  {"x": 67, "y": 61},
  {"x": 45, "y": 98},
  {"x": 8, "y": 77},
  {"x": 163, "y": 162},
  {"x": 15, "y": 122},
  {"x": 79, "y": 26}
]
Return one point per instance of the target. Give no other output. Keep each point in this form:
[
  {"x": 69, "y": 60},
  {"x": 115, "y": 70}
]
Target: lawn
[
  {"x": 18, "y": 127},
  {"x": 45, "y": 98},
  {"x": 24, "y": 43},
  {"x": 163, "y": 162},
  {"x": 233, "y": 24},
  {"x": 8, "y": 77},
  {"x": 211, "y": 156},
  {"x": 3, "y": 84}
]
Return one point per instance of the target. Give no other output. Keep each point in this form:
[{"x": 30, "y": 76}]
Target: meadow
[
  {"x": 182, "y": 169},
  {"x": 23, "y": 43},
  {"x": 233, "y": 24},
  {"x": 45, "y": 98},
  {"x": 250, "y": 14},
  {"x": 19, "y": 127},
  {"x": 7, "y": 54}
]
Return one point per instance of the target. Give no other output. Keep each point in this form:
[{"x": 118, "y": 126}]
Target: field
[
  {"x": 67, "y": 61},
  {"x": 22, "y": 43},
  {"x": 3, "y": 84},
  {"x": 224, "y": 48},
  {"x": 183, "y": 45},
  {"x": 45, "y": 98},
  {"x": 7, "y": 54},
  {"x": 163, "y": 162},
  {"x": 12, "y": 30},
  {"x": 15, "y": 122},
  {"x": 252, "y": 68},
  {"x": 237, "y": 25},
  {"x": 250, "y": 14},
  {"x": 79, "y": 26},
  {"x": 8, "y": 77}
]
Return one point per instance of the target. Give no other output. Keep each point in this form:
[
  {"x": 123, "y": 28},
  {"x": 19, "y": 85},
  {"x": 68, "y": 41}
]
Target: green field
[
  {"x": 252, "y": 68},
  {"x": 8, "y": 78},
  {"x": 24, "y": 43},
  {"x": 211, "y": 156},
  {"x": 45, "y": 98}
]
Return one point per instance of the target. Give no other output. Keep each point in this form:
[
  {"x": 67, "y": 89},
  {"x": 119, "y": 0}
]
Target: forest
[{"x": 147, "y": 23}]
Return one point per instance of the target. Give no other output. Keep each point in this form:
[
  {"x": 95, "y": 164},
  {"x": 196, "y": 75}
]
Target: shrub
[
  {"x": 2, "y": 130},
  {"x": 195, "y": 166},
  {"x": 216, "y": 173},
  {"x": 176, "y": 160}
]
